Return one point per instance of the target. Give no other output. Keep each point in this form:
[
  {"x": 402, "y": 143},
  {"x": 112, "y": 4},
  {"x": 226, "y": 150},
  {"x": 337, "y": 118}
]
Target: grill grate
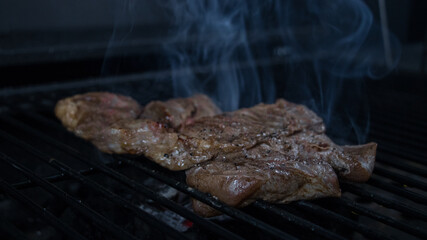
[{"x": 391, "y": 205}]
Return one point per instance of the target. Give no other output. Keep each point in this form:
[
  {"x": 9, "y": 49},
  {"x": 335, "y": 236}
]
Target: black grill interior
[{"x": 54, "y": 185}]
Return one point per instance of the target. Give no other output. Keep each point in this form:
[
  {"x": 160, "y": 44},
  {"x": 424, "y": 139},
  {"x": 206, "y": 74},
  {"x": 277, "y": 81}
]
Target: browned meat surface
[
  {"x": 87, "y": 114},
  {"x": 300, "y": 171},
  {"x": 112, "y": 122},
  {"x": 158, "y": 143},
  {"x": 97, "y": 110},
  {"x": 238, "y": 181},
  {"x": 290, "y": 129},
  {"x": 285, "y": 156},
  {"x": 180, "y": 111},
  {"x": 275, "y": 152}
]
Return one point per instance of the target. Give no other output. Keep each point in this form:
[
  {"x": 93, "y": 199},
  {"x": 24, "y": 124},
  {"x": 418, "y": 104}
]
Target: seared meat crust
[
  {"x": 240, "y": 181},
  {"x": 118, "y": 124},
  {"x": 87, "y": 114},
  {"x": 290, "y": 129},
  {"x": 180, "y": 111},
  {"x": 285, "y": 156},
  {"x": 183, "y": 132},
  {"x": 276, "y": 152}
]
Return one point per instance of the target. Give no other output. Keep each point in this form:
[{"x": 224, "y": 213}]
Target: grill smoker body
[{"x": 54, "y": 185}]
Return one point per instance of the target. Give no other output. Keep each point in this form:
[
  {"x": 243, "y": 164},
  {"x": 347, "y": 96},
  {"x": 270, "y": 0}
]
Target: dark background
[{"x": 50, "y": 41}]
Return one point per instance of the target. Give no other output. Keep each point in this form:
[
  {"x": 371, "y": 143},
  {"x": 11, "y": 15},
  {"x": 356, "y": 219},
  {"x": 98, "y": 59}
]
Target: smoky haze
[
  {"x": 234, "y": 50},
  {"x": 325, "y": 46}
]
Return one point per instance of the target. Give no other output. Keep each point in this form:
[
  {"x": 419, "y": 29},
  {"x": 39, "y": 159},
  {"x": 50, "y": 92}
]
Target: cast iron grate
[{"x": 41, "y": 162}]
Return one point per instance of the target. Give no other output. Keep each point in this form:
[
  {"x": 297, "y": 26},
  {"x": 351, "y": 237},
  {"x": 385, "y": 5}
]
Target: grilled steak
[
  {"x": 305, "y": 170},
  {"x": 87, "y": 114},
  {"x": 117, "y": 124},
  {"x": 84, "y": 114},
  {"x": 180, "y": 111},
  {"x": 239, "y": 180},
  {"x": 290, "y": 129},
  {"x": 275, "y": 152},
  {"x": 285, "y": 156}
]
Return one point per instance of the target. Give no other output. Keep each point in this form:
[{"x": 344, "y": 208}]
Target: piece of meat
[
  {"x": 158, "y": 143},
  {"x": 113, "y": 123},
  {"x": 304, "y": 169},
  {"x": 291, "y": 129},
  {"x": 285, "y": 156},
  {"x": 87, "y": 114},
  {"x": 275, "y": 152},
  {"x": 180, "y": 111},
  {"x": 238, "y": 181}
]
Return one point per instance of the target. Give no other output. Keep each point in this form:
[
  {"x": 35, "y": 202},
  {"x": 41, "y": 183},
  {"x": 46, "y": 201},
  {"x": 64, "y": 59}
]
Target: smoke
[
  {"x": 326, "y": 50},
  {"x": 214, "y": 34},
  {"x": 242, "y": 52}
]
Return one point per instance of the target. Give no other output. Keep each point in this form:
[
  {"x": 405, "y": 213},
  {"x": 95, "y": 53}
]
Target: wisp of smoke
[
  {"x": 217, "y": 35},
  {"x": 214, "y": 47}
]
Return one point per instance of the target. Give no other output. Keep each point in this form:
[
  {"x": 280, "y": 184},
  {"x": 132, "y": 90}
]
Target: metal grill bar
[
  {"x": 76, "y": 204},
  {"x": 59, "y": 127},
  {"x": 178, "y": 209},
  {"x": 97, "y": 187},
  {"x": 384, "y": 219},
  {"x": 398, "y": 150},
  {"x": 377, "y": 182},
  {"x": 271, "y": 209},
  {"x": 208, "y": 225},
  {"x": 119, "y": 200},
  {"x": 402, "y": 164},
  {"x": 214, "y": 228},
  {"x": 206, "y": 198},
  {"x": 371, "y": 233},
  {"x": 382, "y": 137},
  {"x": 196, "y": 194},
  {"x": 391, "y": 203},
  {"x": 408, "y": 180},
  {"x": 42, "y": 212},
  {"x": 52, "y": 179}
]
